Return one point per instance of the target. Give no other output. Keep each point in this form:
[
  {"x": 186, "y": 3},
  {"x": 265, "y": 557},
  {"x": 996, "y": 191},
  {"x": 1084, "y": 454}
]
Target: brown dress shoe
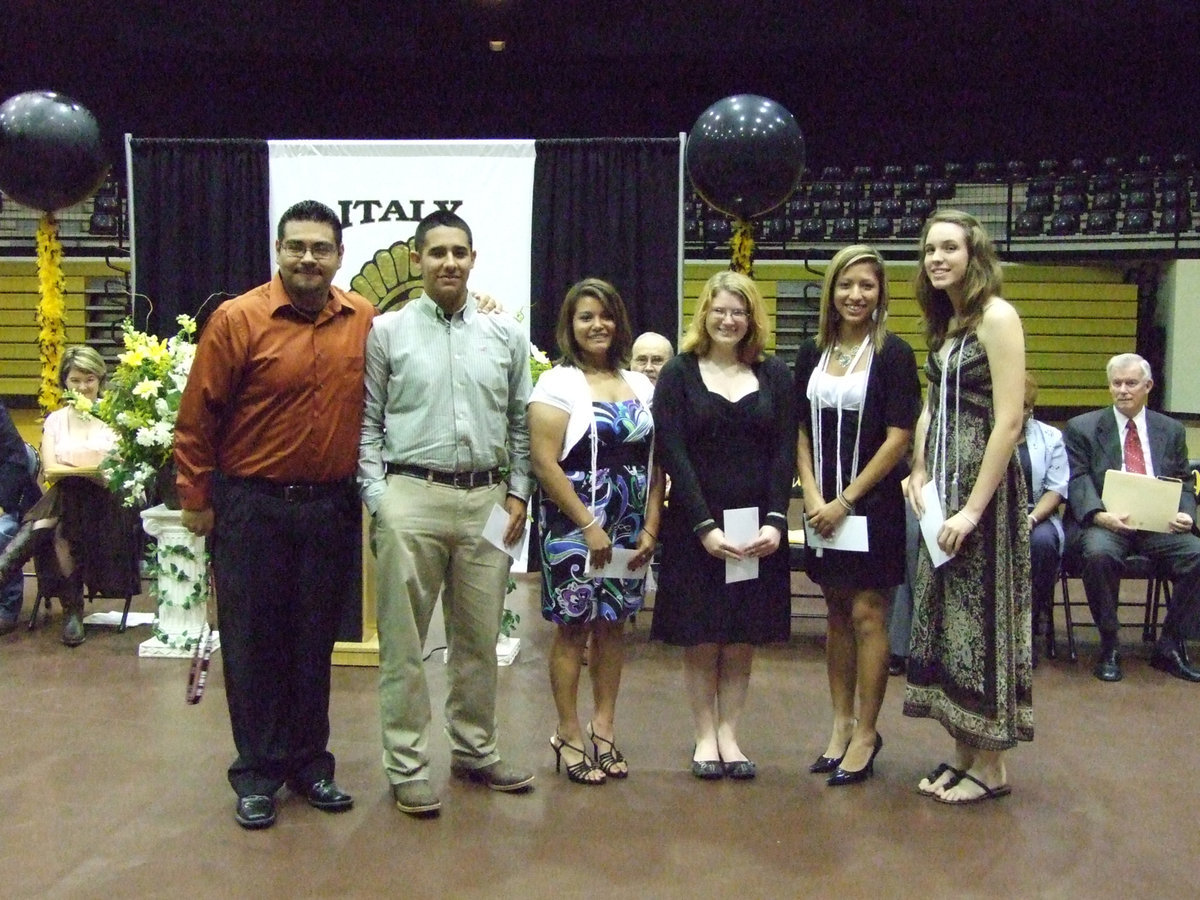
[
  {"x": 416, "y": 798},
  {"x": 499, "y": 776}
]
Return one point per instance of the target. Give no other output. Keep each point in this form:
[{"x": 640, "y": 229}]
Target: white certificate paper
[
  {"x": 618, "y": 566},
  {"x": 851, "y": 535},
  {"x": 741, "y": 527},
  {"x": 931, "y": 523},
  {"x": 493, "y": 533}
]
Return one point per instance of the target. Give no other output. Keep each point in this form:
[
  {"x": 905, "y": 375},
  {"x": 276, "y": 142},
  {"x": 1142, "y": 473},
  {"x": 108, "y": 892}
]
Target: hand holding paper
[
  {"x": 618, "y": 566},
  {"x": 1141, "y": 501},
  {"x": 496, "y": 529},
  {"x": 741, "y": 527},
  {"x": 931, "y": 523},
  {"x": 850, "y": 535}
]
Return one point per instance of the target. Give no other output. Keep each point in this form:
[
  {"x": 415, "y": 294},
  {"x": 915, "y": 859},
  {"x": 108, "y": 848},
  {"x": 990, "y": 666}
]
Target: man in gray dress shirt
[{"x": 446, "y": 391}]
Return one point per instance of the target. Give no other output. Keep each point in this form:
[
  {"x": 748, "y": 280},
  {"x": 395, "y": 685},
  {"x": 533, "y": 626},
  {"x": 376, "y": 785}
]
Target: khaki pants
[{"x": 427, "y": 539}]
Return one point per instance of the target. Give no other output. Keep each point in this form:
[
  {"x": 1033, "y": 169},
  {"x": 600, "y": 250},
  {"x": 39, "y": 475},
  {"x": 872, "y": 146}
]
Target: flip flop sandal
[
  {"x": 937, "y": 773},
  {"x": 988, "y": 793}
]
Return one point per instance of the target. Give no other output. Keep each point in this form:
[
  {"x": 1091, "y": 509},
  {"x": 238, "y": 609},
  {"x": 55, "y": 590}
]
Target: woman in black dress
[
  {"x": 726, "y": 435},
  {"x": 857, "y": 397}
]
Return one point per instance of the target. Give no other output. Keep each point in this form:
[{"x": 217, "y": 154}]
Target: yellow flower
[
  {"x": 81, "y": 403},
  {"x": 147, "y": 387},
  {"x": 132, "y": 358}
]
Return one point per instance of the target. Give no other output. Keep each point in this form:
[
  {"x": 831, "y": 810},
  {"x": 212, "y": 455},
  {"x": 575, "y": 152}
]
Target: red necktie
[{"x": 1134, "y": 460}]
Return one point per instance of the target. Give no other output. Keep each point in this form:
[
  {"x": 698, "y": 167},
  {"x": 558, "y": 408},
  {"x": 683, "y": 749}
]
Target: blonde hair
[
  {"x": 827, "y": 324},
  {"x": 752, "y": 344},
  {"x": 83, "y": 358}
]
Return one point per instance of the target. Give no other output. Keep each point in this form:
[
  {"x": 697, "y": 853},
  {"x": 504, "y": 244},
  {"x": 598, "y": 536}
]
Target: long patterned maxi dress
[
  {"x": 970, "y": 659},
  {"x": 623, "y": 430}
]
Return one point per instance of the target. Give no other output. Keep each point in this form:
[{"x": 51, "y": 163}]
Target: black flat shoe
[
  {"x": 742, "y": 770},
  {"x": 708, "y": 769},
  {"x": 842, "y": 777},
  {"x": 255, "y": 811},
  {"x": 1108, "y": 666}
]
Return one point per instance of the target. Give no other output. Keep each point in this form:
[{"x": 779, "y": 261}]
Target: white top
[
  {"x": 847, "y": 392},
  {"x": 566, "y": 388}
]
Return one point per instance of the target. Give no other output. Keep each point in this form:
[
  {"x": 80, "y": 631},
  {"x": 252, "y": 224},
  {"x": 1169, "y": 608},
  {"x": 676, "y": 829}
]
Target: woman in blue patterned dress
[{"x": 591, "y": 435}]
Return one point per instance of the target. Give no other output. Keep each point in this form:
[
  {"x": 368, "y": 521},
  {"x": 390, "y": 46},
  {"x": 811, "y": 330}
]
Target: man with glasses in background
[
  {"x": 267, "y": 444},
  {"x": 650, "y": 353}
]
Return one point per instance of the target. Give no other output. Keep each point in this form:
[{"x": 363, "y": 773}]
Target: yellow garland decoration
[
  {"x": 50, "y": 312},
  {"x": 742, "y": 244}
]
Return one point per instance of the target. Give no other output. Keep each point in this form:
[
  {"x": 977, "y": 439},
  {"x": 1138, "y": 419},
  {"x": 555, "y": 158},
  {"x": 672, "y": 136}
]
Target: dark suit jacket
[
  {"x": 1094, "y": 447},
  {"x": 15, "y": 480}
]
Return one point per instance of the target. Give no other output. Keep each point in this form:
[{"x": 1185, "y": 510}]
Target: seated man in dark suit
[
  {"x": 1130, "y": 437},
  {"x": 16, "y": 485}
]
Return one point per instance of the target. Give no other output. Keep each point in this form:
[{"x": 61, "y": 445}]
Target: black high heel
[
  {"x": 610, "y": 758},
  {"x": 825, "y": 764},
  {"x": 842, "y": 777},
  {"x": 580, "y": 772}
]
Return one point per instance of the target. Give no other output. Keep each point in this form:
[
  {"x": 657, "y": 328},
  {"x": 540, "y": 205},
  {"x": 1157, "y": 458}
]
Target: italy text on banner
[{"x": 382, "y": 189}]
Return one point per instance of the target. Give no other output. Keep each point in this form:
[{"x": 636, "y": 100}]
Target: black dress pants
[
  {"x": 1102, "y": 555},
  {"x": 278, "y": 566}
]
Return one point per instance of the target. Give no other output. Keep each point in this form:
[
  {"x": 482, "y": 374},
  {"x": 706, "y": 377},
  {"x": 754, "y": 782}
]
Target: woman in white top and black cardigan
[{"x": 857, "y": 399}]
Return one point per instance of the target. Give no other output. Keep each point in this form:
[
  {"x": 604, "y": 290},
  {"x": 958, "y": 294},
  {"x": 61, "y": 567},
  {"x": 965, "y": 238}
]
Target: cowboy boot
[
  {"x": 24, "y": 544},
  {"x": 72, "y": 604}
]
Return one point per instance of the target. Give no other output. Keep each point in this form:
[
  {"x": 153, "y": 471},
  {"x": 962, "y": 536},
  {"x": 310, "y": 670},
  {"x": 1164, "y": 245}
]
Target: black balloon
[
  {"x": 50, "y": 151},
  {"x": 745, "y": 155}
]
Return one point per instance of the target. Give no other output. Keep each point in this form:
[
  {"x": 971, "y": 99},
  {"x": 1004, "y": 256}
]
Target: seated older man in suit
[{"x": 1130, "y": 437}]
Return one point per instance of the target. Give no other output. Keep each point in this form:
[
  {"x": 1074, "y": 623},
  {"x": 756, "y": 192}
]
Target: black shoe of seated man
[
  {"x": 1108, "y": 666},
  {"x": 255, "y": 811},
  {"x": 1170, "y": 657},
  {"x": 325, "y": 795}
]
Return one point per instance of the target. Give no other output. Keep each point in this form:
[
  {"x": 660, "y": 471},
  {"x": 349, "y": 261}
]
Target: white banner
[{"x": 382, "y": 189}]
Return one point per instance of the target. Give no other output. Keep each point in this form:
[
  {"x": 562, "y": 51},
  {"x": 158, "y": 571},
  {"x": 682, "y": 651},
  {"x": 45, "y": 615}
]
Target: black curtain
[
  {"x": 201, "y": 221},
  {"x": 606, "y": 208},
  {"x": 202, "y": 228}
]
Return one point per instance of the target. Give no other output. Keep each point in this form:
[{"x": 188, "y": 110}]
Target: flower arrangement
[
  {"x": 539, "y": 362},
  {"x": 140, "y": 404}
]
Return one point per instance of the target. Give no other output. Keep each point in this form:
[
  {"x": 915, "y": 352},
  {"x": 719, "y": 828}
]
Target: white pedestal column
[{"x": 182, "y": 588}]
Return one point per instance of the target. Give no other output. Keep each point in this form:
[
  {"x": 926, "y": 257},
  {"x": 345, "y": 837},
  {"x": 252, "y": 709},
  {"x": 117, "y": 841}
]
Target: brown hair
[
  {"x": 827, "y": 324},
  {"x": 982, "y": 282},
  {"x": 607, "y": 296}
]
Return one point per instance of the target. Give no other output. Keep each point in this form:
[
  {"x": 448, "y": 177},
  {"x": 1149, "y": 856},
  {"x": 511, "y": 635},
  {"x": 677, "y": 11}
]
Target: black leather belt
[
  {"x": 301, "y": 492},
  {"x": 464, "y": 481}
]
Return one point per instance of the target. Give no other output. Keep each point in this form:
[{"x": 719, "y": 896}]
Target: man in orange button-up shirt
[{"x": 266, "y": 444}]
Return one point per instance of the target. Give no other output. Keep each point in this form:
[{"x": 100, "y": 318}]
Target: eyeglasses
[
  {"x": 298, "y": 249},
  {"x": 735, "y": 314}
]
